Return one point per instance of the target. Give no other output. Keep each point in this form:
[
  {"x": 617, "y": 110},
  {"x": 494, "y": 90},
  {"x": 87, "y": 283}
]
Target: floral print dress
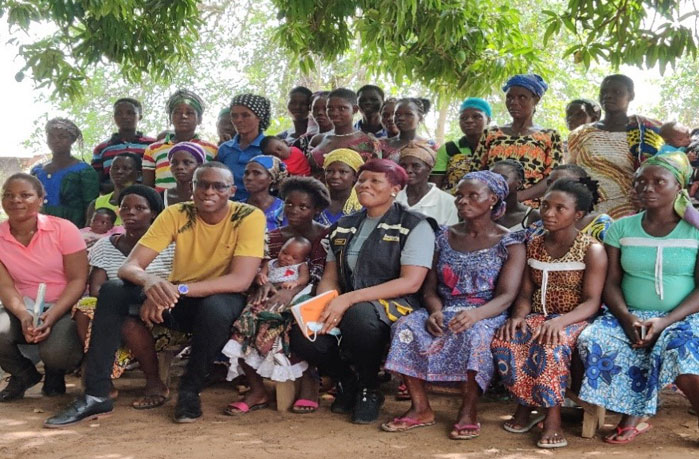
[{"x": 466, "y": 280}]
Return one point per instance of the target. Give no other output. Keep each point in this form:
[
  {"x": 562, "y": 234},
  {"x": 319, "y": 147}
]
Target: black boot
[
  {"x": 18, "y": 385},
  {"x": 367, "y": 406},
  {"x": 54, "y": 383},
  {"x": 345, "y": 396}
]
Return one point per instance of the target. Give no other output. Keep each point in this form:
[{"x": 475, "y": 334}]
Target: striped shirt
[
  {"x": 104, "y": 153},
  {"x": 105, "y": 256},
  {"x": 155, "y": 159}
]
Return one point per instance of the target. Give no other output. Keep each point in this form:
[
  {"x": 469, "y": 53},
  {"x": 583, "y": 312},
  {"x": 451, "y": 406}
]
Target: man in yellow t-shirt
[{"x": 218, "y": 248}]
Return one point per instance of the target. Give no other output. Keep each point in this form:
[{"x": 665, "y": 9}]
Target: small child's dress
[{"x": 278, "y": 274}]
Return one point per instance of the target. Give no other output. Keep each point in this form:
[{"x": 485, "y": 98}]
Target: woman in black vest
[{"x": 378, "y": 260}]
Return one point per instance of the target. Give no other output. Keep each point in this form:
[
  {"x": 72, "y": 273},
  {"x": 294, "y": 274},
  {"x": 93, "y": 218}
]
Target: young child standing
[{"x": 294, "y": 159}]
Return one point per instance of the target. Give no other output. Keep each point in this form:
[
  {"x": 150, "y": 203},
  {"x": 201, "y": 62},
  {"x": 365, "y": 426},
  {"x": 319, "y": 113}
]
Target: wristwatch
[{"x": 183, "y": 289}]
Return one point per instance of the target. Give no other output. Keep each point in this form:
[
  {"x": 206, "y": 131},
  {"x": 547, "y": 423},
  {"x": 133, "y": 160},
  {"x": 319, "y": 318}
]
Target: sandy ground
[{"x": 267, "y": 433}]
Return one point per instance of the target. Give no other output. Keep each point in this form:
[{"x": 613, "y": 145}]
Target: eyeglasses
[{"x": 218, "y": 186}]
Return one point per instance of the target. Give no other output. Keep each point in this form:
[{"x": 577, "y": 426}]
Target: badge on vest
[
  {"x": 340, "y": 241},
  {"x": 389, "y": 238}
]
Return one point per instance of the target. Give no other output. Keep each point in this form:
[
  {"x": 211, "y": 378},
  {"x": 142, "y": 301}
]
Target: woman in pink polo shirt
[{"x": 37, "y": 249}]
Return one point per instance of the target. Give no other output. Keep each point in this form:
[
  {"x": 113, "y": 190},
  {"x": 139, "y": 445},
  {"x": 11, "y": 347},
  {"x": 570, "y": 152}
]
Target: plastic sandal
[
  {"x": 304, "y": 406},
  {"x": 473, "y": 431},
  {"x": 406, "y": 424},
  {"x": 641, "y": 428},
  {"x": 241, "y": 407}
]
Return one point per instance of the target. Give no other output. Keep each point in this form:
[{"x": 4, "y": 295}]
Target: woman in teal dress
[
  {"x": 71, "y": 185},
  {"x": 649, "y": 337}
]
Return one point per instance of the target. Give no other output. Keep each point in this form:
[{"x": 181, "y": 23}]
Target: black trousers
[
  {"x": 209, "y": 319},
  {"x": 364, "y": 340}
]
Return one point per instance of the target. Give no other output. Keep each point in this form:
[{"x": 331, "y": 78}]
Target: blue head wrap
[
  {"x": 274, "y": 166},
  {"x": 478, "y": 104},
  {"x": 497, "y": 184},
  {"x": 530, "y": 81}
]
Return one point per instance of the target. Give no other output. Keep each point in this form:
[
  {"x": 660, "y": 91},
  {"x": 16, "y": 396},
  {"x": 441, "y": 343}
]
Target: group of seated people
[{"x": 500, "y": 258}]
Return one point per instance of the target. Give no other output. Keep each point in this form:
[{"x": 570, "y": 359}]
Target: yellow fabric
[
  {"x": 344, "y": 155},
  {"x": 204, "y": 251},
  {"x": 103, "y": 202}
]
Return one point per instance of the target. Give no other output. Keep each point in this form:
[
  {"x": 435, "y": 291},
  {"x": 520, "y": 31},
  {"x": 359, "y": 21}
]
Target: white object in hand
[{"x": 39, "y": 303}]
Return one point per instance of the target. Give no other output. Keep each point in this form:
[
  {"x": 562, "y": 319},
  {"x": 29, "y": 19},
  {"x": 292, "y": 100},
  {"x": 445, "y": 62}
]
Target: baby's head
[
  {"x": 275, "y": 146},
  {"x": 675, "y": 134},
  {"x": 102, "y": 220},
  {"x": 294, "y": 251}
]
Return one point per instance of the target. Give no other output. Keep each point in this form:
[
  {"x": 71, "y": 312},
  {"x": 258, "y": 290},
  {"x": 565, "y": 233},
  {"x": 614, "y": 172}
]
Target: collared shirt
[
  {"x": 155, "y": 159},
  {"x": 104, "y": 153},
  {"x": 378, "y": 134},
  {"x": 42, "y": 260},
  {"x": 236, "y": 158},
  {"x": 204, "y": 251},
  {"x": 436, "y": 204}
]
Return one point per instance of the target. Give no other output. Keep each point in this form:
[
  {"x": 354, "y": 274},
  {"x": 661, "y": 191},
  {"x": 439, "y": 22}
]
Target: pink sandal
[
  {"x": 241, "y": 407},
  {"x": 404, "y": 424},
  {"x": 473, "y": 431},
  {"x": 304, "y": 406}
]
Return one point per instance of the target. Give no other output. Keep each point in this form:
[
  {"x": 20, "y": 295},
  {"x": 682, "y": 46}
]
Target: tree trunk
[{"x": 443, "y": 104}]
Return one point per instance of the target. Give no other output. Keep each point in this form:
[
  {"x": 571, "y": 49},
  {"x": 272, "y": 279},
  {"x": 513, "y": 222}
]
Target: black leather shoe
[
  {"x": 83, "y": 408},
  {"x": 366, "y": 409},
  {"x": 54, "y": 383},
  {"x": 345, "y": 396},
  {"x": 188, "y": 408},
  {"x": 17, "y": 386}
]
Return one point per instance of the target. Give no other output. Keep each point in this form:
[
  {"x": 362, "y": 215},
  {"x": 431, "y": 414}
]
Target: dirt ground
[{"x": 267, "y": 433}]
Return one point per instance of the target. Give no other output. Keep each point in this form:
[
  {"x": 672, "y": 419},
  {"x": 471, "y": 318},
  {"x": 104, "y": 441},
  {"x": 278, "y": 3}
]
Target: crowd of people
[{"x": 500, "y": 258}]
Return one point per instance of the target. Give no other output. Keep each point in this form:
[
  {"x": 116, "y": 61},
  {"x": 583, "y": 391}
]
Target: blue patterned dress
[{"x": 466, "y": 280}]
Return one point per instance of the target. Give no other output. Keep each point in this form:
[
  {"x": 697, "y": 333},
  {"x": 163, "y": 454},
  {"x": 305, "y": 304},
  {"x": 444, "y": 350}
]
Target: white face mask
[{"x": 315, "y": 327}]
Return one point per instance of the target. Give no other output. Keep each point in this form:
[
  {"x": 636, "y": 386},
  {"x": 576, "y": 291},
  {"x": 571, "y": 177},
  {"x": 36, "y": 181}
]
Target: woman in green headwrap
[{"x": 649, "y": 337}]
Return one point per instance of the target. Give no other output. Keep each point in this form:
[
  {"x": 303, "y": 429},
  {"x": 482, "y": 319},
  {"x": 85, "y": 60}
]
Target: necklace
[{"x": 344, "y": 135}]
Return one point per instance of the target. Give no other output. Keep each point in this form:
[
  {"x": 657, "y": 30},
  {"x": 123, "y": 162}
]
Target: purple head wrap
[
  {"x": 497, "y": 184},
  {"x": 192, "y": 148}
]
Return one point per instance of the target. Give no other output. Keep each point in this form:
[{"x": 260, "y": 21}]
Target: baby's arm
[
  {"x": 261, "y": 277},
  {"x": 304, "y": 278}
]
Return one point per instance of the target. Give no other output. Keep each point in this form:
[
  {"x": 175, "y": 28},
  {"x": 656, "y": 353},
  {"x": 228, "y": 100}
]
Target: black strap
[{"x": 452, "y": 148}]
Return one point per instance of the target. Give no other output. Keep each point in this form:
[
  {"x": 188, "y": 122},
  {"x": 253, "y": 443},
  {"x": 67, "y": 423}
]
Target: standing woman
[
  {"x": 299, "y": 106},
  {"x": 561, "y": 290},
  {"x": 378, "y": 260},
  {"x": 538, "y": 149},
  {"x": 610, "y": 150},
  {"x": 185, "y": 110},
  {"x": 184, "y": 159},
  {"x": 341, "y": 107},
  {"x": 408, "y": 115},
  {"x": 262, "y": 177},
  {"x": 387, "y": 121},
  {"x": 475, "y": 278},
  {"x": 419, "y": 195},
  {"x": 70, "y": 184},
  {"x": 370, "y": 100},
  {"x": 36, "y": 249},
  {"x": 341, "y": 170},
  {"x": 251, "y": 115},
  {"x": 648, "y": 337},
  {"x": 582, "y": 111},
  {"x": 456, "y": 159},
  {"x": 124, "y": 171}
]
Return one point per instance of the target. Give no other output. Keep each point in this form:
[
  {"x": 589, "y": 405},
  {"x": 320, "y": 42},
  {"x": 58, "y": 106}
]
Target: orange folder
[{"x": 308, "y": 313}]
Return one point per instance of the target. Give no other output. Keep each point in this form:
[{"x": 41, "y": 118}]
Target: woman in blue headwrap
[
  {"x": 262, "y": 177},
  {"x": 538, "y": 149},
  {"x": 455, "y": 158},
  {"x": 474, "y": 279}
]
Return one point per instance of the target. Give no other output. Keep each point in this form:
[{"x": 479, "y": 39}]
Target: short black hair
[
  {"x": 302, "y": 90},
  {"x": 33, "y": 180},
  {"x": 626, "y": 81},
  {"x": 212, "y": 165},
  {"x": 132, "y": 156},
  {"x": 131, "y": 101},
  {"x": 264, "y": 143},
  {"x": 344, "y": 93},
  {"x": 591, "y": 107},
  {"x": 370, "y": 87},
  {"x": 584, "y": 190},
  {"x": 108, "y": 212},
  {"x": 512, "y": 164},
  {"x": 423, "y": 105},
  {"x": 573, "y": 169},
  {"x": 309, "y": 185},
  {"x": 155, "y": 201}
]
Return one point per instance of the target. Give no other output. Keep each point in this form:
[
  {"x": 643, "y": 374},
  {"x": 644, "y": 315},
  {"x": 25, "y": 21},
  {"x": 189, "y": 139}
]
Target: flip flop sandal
[
  {"x": 237, "y": 408},
  {"x": 406, "y": 424},
  {"x": 560, "y": 444},
  {"x": 156, "y": 400},
  {"x": 304, "y": 406},
  {"x": 403, "y": 393},
  {"x": 641, "y": 428},
  {"x": 474, "y": 429},
  {"x": 526, "y": 428}
]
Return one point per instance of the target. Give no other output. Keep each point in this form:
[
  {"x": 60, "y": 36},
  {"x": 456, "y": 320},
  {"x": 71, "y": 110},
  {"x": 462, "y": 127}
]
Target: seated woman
[
  {"x": 417, "y": 158},
  {"x": 341, "y": 168},
  {"x": 138, "y": 206},
  {"x": 184, "y": 158},
  {"x": 37, "y": 249},
  {"x": 408, "y": 115},
  {"x": 561, "y": 290},
  {"x": 341, "y": 107},
  {"x": 517, "y": 216},
  {"x": 70, "y": 184},
  {"x": 262, "y": 178},
  {"x": 594, "y": 223},
  {"x": 378, "y": 260},
  {"x": 475, "y": 278},
  {"x": 123, "y": 171},
  {"x": 259, "y": 344},
  {"x": 648, "y": 337}
]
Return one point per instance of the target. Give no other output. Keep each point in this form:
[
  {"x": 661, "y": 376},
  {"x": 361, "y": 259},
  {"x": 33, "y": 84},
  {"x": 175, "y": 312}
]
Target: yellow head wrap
[{"x": 346, "y": 156}]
